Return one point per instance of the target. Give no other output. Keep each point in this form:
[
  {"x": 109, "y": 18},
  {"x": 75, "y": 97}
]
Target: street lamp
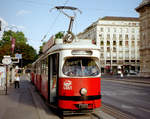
[{"x": 110, "y": 59}]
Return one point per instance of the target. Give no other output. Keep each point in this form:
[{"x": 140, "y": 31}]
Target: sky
[{"x": 35, "y": 18}]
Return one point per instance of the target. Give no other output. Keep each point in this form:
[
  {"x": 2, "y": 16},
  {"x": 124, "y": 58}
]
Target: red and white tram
[{"x": 68, "y": 76}]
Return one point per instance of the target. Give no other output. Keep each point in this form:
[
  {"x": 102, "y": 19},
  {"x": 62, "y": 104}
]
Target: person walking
[{"x": 17, "y": 80}]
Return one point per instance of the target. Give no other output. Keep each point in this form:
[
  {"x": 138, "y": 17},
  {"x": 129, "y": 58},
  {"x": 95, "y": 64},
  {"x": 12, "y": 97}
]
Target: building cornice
[{"x": 141, "y": 6}]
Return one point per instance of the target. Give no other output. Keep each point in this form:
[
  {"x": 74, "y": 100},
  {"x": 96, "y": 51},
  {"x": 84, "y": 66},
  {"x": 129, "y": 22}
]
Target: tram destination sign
[{"x": 48, "y": 44}]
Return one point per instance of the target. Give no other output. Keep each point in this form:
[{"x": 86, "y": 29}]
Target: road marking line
[{"x": 146, "y": 110}]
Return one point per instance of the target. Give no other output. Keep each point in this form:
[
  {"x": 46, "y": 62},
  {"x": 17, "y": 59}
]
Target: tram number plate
[{"x": 83, "y": 106}]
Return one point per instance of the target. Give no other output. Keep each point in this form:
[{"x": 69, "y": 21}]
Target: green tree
[
  {"x": 28, "y": 52},
  {"x": 41, "y": 48},
  {"x": 59, "y": 35},
  {"x": 19, "y": 36}
]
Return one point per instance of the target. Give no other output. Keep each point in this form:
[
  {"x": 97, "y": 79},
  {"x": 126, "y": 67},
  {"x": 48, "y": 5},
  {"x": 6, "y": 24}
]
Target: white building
[
  {"x": 3, "y": 25},
  {"x": 118, "y": 39}
]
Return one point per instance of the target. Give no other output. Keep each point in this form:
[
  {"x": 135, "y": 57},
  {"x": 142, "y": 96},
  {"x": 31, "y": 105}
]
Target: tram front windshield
[{"x": 80, "y": 67}]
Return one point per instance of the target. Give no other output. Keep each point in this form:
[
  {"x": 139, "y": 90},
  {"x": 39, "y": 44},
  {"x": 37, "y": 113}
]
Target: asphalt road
[{"x": 127, "y": 97}]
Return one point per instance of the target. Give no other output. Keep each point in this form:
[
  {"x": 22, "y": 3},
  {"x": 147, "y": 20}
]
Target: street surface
[{"x": 128, "y": 97}]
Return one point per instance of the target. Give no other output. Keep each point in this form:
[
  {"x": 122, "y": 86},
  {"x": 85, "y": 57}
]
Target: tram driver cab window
[{"x": 80, "y": 67}]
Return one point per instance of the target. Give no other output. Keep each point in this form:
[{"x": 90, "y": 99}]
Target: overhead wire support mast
[{"x": 69, "y": 36}]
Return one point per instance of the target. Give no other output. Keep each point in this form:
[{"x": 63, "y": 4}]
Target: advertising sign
[{"x": 49, "y": 44}]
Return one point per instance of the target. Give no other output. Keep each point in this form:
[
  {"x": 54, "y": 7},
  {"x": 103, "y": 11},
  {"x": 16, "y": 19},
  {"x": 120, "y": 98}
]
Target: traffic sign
[
  {"x": 6, "y": 60},
  {"x": 19, "y": 56}
]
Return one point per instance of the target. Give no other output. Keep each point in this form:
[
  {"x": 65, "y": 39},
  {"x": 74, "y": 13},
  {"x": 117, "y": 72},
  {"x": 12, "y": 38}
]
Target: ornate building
[
  {"x": 144, "y": 11},
  {"x": 118, "y": 39}
]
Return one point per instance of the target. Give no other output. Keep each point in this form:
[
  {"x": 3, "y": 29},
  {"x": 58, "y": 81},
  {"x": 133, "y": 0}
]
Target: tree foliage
[
  {"x": 41, "y": 48},
  {"x": 28, "y": 52},
  {"x": 59, "y": 35}
]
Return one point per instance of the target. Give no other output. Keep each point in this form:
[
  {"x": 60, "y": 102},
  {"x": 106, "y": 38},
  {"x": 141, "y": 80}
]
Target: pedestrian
[{"x": 17, "y": 80}]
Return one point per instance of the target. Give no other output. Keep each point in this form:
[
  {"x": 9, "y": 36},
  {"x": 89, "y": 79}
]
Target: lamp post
[{"x": 110, "y": 60}]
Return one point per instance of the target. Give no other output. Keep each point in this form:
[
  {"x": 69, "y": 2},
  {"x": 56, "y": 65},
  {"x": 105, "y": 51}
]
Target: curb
[{"x": 37, "y": 101}]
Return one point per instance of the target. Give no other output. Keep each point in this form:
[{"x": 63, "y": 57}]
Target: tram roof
[{"x": 78, "y": 44}]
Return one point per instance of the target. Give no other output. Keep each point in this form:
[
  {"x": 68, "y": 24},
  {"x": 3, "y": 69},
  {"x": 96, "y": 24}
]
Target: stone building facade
[
  {"x": 118, "y": 39},
  {"x": 144, "y": 11}
]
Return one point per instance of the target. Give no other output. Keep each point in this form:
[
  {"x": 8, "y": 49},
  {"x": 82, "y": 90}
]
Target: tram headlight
[{"x": 83, "y": 91}]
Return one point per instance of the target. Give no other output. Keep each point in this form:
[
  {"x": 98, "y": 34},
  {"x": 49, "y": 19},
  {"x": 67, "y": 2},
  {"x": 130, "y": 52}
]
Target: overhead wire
[{"x": 53, "y": 23}]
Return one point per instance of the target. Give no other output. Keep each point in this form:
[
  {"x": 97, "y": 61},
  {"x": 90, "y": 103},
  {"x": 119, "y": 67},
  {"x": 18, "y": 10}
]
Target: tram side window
[
  {"x": 45, "y": 66},
  {"x": 55, "y": 64},
  {"x": 34, "y": 69},
  {"x": 38, "y": 68},
  {"x": 80, "y": 67},
  {"x": 55, "y": 68}
]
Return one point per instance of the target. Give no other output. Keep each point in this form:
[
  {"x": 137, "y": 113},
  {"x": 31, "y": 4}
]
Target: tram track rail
[{"x": 116, "y": 113}]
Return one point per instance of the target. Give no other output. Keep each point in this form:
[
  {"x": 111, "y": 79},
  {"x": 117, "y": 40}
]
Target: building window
[
  {"x": 127, "y": 30},
  {"x": 121, "y": 30},
  {"x": 108, "y": 29},
  {"x": 114, "y": 36},
  {"x": 102, "y": 49},
  {"x": 133, "y": 30},
  {"x": 114, "y": 29},
  {"x": 114, "y": 61},
  {"x": 100, "y": 35},
  {"x": 108, "y": 61},
  {"x": 102, "y": 43},
  {"x": 127, "y": 54},
  {"x": 102, "y": 55},
  {"x": 132, "y": 38},
  {"x": 108, "y": 36},
  {"x": 126, "y": 43},
  {"x": 108, "y": 49},
  {"x": 114, "y": 43},
  {"x": 133, "y": 43},
  {"x": 114, "y": 49},
  {"x": 108, "y": 43},
  {"x": 138, "y": 43},
  {"x": 120, "y": 37},
  {"x": 102, "y": 29},
  {"x": 108, "y": 55},
  {"x": 120, "y": 55},
  {"x": 120, "y": 43},
  {"x": 126, "y": 37}
]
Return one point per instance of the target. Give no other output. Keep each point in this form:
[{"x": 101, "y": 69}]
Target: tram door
[{"x": 52, "y": 78}]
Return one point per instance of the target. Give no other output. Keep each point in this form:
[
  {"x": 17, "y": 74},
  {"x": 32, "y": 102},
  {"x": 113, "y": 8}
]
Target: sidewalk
[{"x": 20, "y": 103}]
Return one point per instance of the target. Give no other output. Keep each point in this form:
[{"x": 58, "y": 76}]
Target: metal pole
[
  {"x": 6, "y": 78},
  {"x": 110, "y": 60}
]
